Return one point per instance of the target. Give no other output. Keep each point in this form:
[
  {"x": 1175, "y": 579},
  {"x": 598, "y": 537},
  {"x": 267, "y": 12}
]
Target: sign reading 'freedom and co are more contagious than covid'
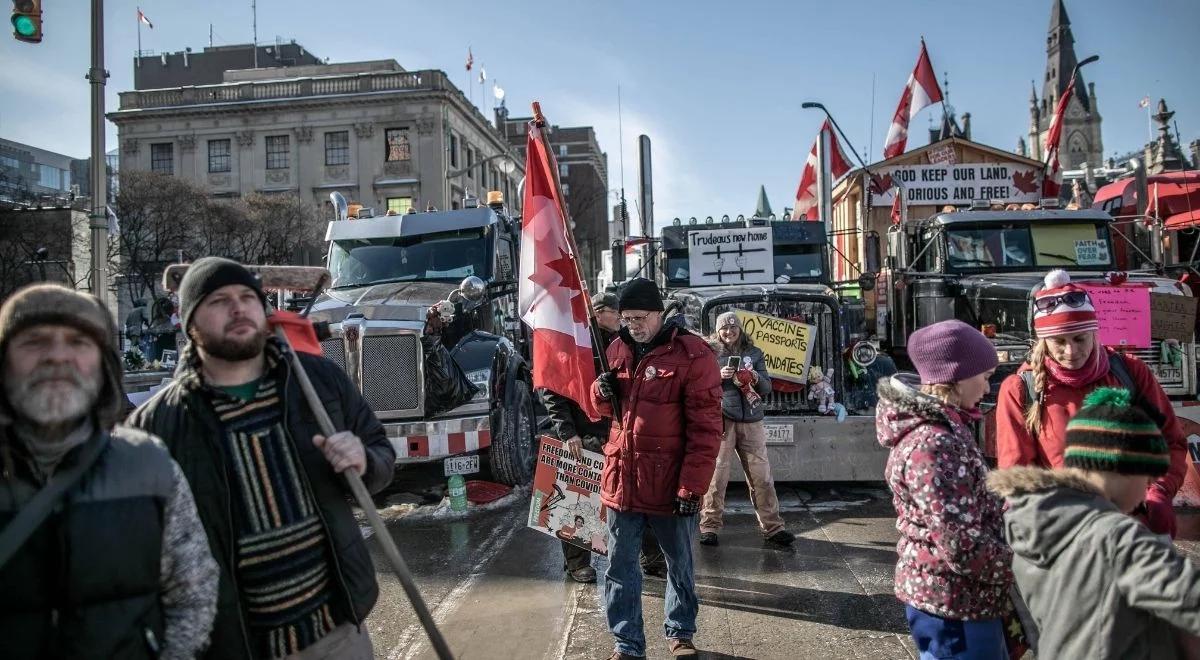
[
  {"x": 786, "y": 345},
  {"x": 730, "y": 256}
]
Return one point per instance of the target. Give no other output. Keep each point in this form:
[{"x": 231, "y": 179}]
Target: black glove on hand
[
  {"x": 686, "y": 507},
  {"x": 606, "y": 385}
]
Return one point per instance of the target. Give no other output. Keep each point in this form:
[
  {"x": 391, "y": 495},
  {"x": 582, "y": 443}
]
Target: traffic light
[{"x": 27, "y": 20}]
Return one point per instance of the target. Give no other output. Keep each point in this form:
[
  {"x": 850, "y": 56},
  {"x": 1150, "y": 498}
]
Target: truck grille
[
  {"x": 390, "y": 365},
  {"x": 1174, "y": 380},
  {"x": 335, "y": 351},
  {"x": 787, "y": 402}
]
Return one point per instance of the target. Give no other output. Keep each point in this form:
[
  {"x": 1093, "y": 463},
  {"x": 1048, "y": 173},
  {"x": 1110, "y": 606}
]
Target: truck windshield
[
  {"x": 450, "y": 255},
  {"x": 1028, "y": 246}
]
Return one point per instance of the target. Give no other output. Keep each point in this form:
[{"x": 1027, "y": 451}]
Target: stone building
[
  {"x": 1081, "y": 140},
  {"x": 383, "y": 137},
  {"x": 583, "y": 172}
]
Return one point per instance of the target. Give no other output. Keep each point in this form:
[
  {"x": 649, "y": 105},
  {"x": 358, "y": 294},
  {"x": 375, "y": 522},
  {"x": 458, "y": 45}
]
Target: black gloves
[
  {"x": 686, "y": 507},
  {"x": 606, "y": 385}
]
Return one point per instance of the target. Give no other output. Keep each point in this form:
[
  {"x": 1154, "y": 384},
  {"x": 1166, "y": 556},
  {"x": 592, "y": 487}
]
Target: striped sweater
[{"x": 283, "y": 564}]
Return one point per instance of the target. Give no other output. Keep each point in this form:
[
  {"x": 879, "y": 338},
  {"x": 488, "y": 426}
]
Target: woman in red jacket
[{"x": 1066, "y": 364}]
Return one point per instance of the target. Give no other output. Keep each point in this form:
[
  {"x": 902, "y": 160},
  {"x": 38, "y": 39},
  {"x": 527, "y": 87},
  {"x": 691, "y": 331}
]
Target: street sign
[{"x": 730, "y": 256}]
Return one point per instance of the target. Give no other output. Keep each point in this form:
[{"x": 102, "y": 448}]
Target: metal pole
[
  {"x": 99, "y": 216},
  {"x": 825, "y": 182}
]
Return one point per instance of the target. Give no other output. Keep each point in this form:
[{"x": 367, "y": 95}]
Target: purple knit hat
[{"x": 950, "y": 351}]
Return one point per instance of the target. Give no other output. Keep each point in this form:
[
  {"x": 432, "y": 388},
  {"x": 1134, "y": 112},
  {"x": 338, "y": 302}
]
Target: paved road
[{"x": 497, "y": 589}]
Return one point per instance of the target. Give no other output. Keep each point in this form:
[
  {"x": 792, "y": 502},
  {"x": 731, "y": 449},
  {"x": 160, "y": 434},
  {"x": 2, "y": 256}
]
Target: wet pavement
[{"x": 497, "y": 589}]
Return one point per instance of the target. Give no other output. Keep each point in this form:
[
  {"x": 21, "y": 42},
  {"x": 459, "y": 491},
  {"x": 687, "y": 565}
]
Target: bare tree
[
  {"x": 159, "y": 216},
  {"x": 277, "y": 228}
]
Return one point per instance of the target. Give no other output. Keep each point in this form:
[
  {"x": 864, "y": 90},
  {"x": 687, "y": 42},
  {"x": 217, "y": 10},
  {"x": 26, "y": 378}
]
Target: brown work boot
[{"x": 683, "y": 648}]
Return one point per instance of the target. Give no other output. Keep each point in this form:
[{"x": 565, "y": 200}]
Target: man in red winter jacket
[{"x": 658, "y": 461}]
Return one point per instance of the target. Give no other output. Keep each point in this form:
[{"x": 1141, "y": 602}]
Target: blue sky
[{"x": 716, "y": 85}]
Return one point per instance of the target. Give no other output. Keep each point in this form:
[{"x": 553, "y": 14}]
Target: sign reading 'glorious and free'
[{"x": 947, "y": 183}]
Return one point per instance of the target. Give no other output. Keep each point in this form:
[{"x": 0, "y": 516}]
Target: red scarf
[{"x": 1093, "y": 370}]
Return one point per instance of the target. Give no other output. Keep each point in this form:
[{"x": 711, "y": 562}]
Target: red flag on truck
[
  {"x": 551, "y": 296},
  {"x": 921, "y": 91},
  {"x": 806, "y": 194},
  {"x": 1052, "y": 177}
]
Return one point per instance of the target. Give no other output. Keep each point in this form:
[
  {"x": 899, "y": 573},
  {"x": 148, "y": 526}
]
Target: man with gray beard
[{"x": 102, "y": 554}]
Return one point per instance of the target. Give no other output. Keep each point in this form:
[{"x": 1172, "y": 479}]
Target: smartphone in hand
[{"x": 733, "y": 362}]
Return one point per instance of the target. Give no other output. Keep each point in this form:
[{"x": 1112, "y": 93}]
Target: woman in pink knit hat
[
  {"x": 953, "y": 571},
  {"x": 1068, "y": 362}
]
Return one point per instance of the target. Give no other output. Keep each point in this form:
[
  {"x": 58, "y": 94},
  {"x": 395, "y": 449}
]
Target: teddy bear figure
[
  {"x": 746, "y": 377},
  {"x": 820, "y": 389}
]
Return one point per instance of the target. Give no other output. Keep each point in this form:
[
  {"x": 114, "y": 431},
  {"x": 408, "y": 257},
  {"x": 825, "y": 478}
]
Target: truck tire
[{"x": 513, "y": 448}]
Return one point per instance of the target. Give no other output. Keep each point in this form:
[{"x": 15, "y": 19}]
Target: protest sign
[
  {"x": 1124, "y": 313},
  {"x": 730, "y": 256},
  {"x": 950, "y": 183},
  {"x": 1172, "y": 317},
  {"x": 566, "y": 497},
  {"x": 786, "y": 345}
]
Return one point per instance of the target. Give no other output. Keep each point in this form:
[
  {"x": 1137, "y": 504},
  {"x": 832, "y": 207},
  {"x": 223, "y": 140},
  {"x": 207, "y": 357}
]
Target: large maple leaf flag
[
  {"x": 806, "y": 194},
  {"x": 1052, "y": 172},
  {"x": 921, "y": 91},
  {"x": 551, "y": 299}
]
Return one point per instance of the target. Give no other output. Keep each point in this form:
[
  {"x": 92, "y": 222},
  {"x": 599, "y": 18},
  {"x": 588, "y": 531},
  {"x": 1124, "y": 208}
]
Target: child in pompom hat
[
  {"x": 1068, "y": 362},
  {"x": 1097, "y": 583},
  {"x": 952, "y": 572}
]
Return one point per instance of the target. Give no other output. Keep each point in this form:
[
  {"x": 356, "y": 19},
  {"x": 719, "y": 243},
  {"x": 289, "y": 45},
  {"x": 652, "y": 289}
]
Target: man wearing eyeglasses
[{"x": 658, "y": 461}]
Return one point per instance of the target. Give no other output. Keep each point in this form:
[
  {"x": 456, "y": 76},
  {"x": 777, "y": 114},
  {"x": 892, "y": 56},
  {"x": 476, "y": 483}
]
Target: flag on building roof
[
  {"x": 551, "y": 297},
  {"x": 806, "y": 194},
  {"x": 470, "y": 59},
  {"x": 482, "y": 74},
  {"x": 921, "y": 91},
  {"x": 1145, "y": 102},
  {"x": 498, "y": 91},
  {"x": 1052, "y": 174},
  {"x": 142, "y": 18}
]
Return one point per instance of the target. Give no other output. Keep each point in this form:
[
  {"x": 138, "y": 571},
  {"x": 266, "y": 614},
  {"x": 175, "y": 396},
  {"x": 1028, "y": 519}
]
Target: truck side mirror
[
  {"x": 872, "y": 252},
  {"x": 618, "y": 261}
]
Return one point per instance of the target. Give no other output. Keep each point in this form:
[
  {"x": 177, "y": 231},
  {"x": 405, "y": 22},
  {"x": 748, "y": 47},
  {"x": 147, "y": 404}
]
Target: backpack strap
[
  {"x": 1120, "y": 370},
  {"x": 1030, "y": 393}
]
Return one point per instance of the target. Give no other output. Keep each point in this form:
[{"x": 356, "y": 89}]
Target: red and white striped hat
[{"x": 1063, "y": 319}]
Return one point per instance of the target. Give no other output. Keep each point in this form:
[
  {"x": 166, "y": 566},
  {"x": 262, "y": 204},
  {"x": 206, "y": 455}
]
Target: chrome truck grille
[
  {"x": 387, "y": 368},
  {"x": 1176, "y": 381}
]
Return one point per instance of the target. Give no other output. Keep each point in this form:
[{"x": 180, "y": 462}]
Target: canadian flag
[
  {"x": 1052, "y": 175},
  {"x": 806, "y": 195},
  {"x": 142, "y": 18},
  {"x": 921, "y": 91},
  {"x": 551, "y": 298}
]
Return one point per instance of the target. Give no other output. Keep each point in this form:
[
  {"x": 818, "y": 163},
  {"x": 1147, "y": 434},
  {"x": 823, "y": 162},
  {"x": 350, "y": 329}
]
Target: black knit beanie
[
  {"x": 640, "y": 294},
  {"x": 207, "y": 275},
  {"x": 1108, "y": 434}
]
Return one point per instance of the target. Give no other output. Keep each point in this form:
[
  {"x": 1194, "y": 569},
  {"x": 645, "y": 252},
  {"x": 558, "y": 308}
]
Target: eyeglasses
[
  {"x": 635, "y": 320},
  {"x": 1070, "y": 299}
]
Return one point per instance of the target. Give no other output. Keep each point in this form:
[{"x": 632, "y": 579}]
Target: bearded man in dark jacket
[{"x": 296, "y": 577}]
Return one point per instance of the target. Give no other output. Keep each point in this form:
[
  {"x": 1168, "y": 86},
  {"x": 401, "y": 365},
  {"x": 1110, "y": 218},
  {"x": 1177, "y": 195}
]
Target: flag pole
[
  {"x": 138, "y": 59},
  {"x": 539, "y": 120}
]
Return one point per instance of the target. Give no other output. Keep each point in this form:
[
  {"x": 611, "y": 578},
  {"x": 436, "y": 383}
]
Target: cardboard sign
[
  {"x": 1172, "y": 317},
  {"x": 566, "y": 497},
  {"x": 948, "y": 183},
  {"x": 1124, "y": 313},
  {"x": 1091, "y": 253},
  {"x": 786, "y": 345},
  {"x": 942, "y": 155},
  {"x": 731, "y": 256}
]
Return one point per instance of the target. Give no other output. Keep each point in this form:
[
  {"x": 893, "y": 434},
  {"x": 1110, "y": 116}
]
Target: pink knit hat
[{"x": 1063, "y": 308}]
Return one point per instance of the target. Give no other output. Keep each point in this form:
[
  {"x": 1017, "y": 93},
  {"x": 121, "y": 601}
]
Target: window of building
[
  {"x": 562, "y": 150},
  {"x": 470, "y": 163},
  {"x": 563, "y": 170},
  {"x": 9, "y": 161},
  {"x": 453, "y": 150},
  {"x": 398, "y": 148},
  {"x": 398, "y": 205},
  {"x": 277, "y": 152},
  {"x": 218, "y": 155},
  {"x": 337, "y": 148},
  {"x": 50, "y": 177},
  {"x": 162, "y": 158}
]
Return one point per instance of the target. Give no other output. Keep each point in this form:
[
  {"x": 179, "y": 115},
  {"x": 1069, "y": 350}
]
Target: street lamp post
[
  {"x": 99, "y": 216},
  {"x": 507, "y": 166}
]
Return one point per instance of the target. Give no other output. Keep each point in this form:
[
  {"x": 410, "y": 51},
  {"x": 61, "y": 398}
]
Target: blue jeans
[
  {"x": 623, "y": 579},
  {"x": 938, "y": 637}
]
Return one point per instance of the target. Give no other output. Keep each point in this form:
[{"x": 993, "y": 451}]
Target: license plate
[
  {"x": 1170, "y": 374},
  {"x": 779, "y": 434},
  {"x": 461, "y": 465}
]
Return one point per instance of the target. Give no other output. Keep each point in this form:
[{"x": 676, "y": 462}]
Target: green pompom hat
[{"x": 1110, "y": 434}]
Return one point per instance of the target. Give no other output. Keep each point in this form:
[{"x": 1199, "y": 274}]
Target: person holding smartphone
[{"x": 744, "y": 435}]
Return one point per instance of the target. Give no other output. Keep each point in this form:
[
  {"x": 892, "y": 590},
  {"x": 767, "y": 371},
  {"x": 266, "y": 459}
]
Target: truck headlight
[
  {"x": 1002, "y": 356},
  {"x": 479, "y": 378}
]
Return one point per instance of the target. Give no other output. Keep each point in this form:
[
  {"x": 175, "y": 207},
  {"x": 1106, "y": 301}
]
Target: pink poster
[{"x": 1124, "y": 313}]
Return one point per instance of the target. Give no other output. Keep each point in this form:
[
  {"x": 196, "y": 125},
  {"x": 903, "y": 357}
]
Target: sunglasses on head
[{"x": 1070, "y": 299}]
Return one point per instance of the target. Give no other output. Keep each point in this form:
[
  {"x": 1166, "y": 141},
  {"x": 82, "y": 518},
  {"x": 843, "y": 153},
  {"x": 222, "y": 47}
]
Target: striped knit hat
[
  {"x": 1061, "y": 318},
  {"x": 1110, "y": 435}
]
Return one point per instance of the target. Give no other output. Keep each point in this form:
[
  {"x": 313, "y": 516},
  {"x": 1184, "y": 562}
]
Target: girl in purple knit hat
[{"x": 953, "y": 572}]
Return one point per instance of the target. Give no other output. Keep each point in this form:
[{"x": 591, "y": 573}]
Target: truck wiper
[
  {"x": 1058, "y": 256},
  {"x": 971, "y": 261},
  {"x": 389, "y": 280}
]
